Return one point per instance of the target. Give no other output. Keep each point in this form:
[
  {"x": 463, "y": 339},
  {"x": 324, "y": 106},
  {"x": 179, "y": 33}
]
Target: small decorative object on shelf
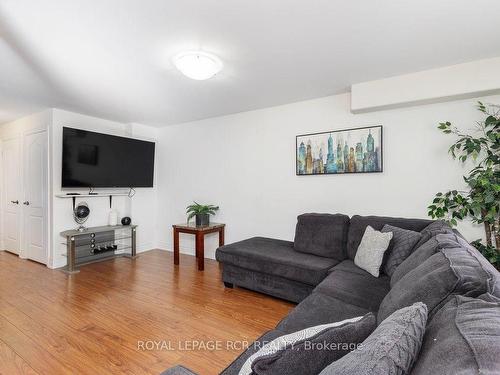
[
  {"x": 113, "y": 217},
  {"x": 202, "y": 213},
  {"x": 81, "y": 214},
  {"x": 126, "y": 220}
]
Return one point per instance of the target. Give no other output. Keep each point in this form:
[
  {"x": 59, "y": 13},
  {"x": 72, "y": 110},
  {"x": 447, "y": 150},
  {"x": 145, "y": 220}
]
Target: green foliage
[
  {"x": 199, "y": 209},
  {"x": 489, "y": 252},
  {"x": 481, "y": 202}
]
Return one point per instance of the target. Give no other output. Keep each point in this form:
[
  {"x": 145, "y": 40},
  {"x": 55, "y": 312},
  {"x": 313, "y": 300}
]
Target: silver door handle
[
  {"x": 15, "y": 202},
  {"x": 26, "y": 203}
]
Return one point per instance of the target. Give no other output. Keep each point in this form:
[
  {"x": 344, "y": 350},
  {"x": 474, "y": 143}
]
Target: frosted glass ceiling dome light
[{"x": 197, "y": 64}]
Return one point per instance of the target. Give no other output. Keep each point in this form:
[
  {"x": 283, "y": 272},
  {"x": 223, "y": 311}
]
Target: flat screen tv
[{"x": 95, "y": 160}]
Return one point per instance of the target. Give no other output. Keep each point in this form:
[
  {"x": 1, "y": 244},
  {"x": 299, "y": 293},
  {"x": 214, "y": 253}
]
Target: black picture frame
[{"x": 380, "y": 154}]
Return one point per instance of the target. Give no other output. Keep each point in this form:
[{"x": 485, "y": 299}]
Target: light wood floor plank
[{"x": 12, "y": 364}]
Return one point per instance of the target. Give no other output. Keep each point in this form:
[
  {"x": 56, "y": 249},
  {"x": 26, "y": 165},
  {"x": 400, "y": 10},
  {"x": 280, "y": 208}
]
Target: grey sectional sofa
[
  {"x": 317, "y": 270},
  {"x": 458, "y": 285}
]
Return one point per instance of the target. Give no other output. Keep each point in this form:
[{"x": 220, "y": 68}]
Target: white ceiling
[{"x": 112, "y": 58}]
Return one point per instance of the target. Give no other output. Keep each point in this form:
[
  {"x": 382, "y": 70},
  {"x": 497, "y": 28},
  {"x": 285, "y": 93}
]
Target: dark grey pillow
[
  {"x": 433, "y": 229},
  {"x": 462, "y": 338},
  {"x": 450, "y": 271},
  {"x": 324, "y": 235},
  {"x": 391, "y": 349},
  {"x": 312, "y": 354},
  {"x": 402, "y": 244},
  {"x": 416, "y": 258}
]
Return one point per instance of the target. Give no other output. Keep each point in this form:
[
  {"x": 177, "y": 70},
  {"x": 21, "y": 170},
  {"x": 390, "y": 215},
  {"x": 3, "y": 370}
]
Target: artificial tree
[{"x": 481, "y": 202}]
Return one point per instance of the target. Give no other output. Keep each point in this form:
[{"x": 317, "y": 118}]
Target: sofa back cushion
[
  {"x": 448, "y": 272},
  {"x": 324, "y": 235},
  {"x": 358, "y": 225},
  {"x": 462, "y": 338}
]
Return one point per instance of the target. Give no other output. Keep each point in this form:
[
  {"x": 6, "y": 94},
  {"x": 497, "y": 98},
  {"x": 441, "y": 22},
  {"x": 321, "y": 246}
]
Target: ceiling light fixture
[{"x": 197, "y": 64}]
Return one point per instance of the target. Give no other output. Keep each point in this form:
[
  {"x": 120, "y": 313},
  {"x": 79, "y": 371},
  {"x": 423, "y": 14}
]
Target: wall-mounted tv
[{"x": 95, "y": 160}]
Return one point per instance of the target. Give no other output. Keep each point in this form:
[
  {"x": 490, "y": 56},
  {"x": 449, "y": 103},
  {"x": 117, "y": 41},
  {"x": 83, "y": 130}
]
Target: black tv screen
[{"x": 95, "y": 160}]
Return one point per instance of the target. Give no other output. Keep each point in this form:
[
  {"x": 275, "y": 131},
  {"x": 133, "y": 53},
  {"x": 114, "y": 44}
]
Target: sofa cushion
[
  {"x": 358, "y": 225},
  {"x": 318, "y": 309},
  {"x": 416, "y": 258},
  {"x": 463, "y": 337},
  {"x": 324, "y": 235},
  {"x": 402, "y": 244},
  {"x": 276, "y": 257},
  {"x": 350, "y": 284},
  {"x": 235, "y": 366},
  {"x": 310, "y": 350},
  {"x": 391, "y": 349},
  {"x": 371, "y": 250},
  {"x": 450, "y": 271}
]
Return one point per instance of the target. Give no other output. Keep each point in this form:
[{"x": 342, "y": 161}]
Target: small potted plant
[{"x": 202, "y": 213}]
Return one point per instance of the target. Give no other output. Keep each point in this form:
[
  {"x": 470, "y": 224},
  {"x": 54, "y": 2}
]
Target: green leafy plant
[
  {"x": 199, "y": 209},
  {"x": 481, "y": 202}
]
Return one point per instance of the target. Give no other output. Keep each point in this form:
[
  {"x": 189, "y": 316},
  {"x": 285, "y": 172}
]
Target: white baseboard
[
  {"x": 57, "y": 264},
  {"x": 142, "y": 247}
]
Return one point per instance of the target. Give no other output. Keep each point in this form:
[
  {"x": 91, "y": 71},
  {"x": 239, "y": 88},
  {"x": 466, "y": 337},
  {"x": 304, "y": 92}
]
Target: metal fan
[{"x": 81, "y": 214}]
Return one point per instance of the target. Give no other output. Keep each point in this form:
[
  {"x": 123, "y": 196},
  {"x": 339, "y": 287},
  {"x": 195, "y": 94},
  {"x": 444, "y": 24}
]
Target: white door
[
  {"x": 35, "y": 196},
  {"x": 12, "y": 195}
]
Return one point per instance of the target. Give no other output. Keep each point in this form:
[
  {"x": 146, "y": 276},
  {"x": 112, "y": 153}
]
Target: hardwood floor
[{"x": 105, "y": 319}]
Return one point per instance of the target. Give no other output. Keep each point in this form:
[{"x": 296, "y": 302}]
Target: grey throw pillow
[
  {"x": 402, "y": 245},
  {"x": 371, "y": 250},
  {"x": 310, "y": 350},
  {"x": 462, "y": 338},
  {"x": 391, "y": 349}
]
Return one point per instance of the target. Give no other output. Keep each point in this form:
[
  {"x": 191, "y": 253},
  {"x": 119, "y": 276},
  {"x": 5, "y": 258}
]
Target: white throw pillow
[{"x": 371, "y": 250}]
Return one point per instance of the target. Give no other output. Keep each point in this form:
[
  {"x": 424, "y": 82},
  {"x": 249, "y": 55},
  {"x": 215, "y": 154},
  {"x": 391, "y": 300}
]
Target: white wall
[
  {"x": 141, "y": 208},
  {"x": 246, "y": 164}
]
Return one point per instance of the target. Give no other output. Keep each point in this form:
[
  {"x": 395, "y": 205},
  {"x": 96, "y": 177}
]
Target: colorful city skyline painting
[{"x": 340, "y": 151}]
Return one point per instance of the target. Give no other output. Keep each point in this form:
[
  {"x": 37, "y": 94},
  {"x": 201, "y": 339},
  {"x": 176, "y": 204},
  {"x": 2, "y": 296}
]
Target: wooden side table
[{"x": 199, "y": 232}]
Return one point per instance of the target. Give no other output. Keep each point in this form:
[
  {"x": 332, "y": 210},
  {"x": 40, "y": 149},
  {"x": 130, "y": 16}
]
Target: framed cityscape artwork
[{"x": 356, "y": 150}]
